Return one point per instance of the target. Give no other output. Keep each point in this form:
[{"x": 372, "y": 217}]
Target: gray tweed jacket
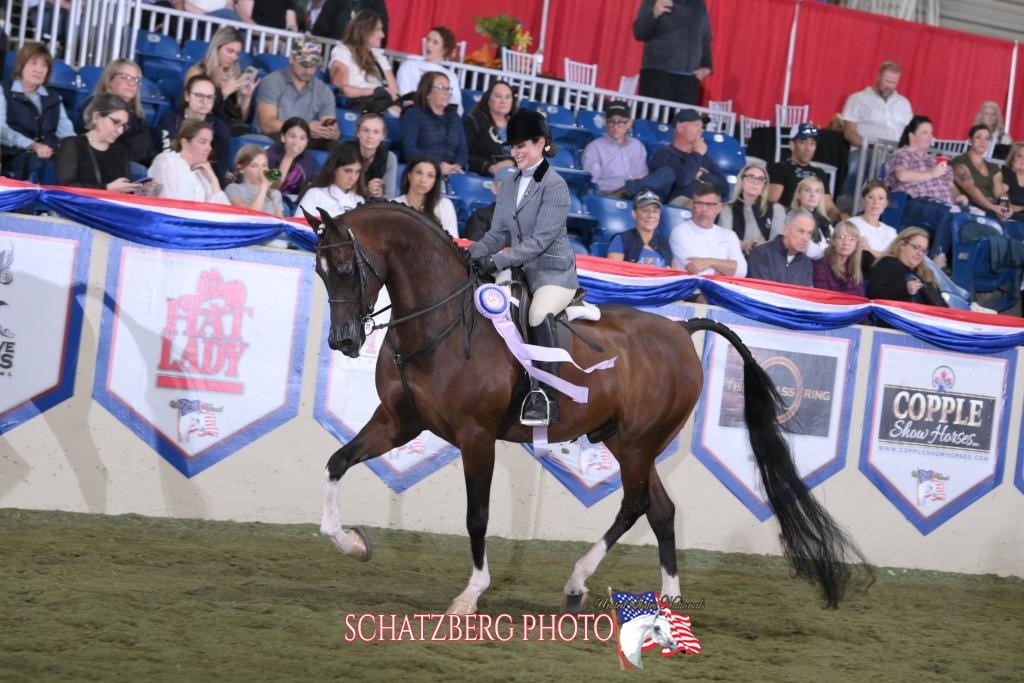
[{"x": 535, "y": 231}]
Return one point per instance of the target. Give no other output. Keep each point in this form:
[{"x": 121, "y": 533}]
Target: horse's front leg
[
  {"x": 478, "y": 464},
  {"x": 382, "y": 433}
]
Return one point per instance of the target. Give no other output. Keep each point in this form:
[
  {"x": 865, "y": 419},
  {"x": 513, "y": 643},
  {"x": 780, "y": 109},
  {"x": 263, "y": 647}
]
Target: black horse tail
[{"x": 817, "y": 548}]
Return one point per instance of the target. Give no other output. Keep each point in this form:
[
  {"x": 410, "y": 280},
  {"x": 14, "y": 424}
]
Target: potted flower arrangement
[{"x": 502, "y": 31}]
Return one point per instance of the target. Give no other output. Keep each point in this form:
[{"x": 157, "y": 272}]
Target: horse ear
[
  {"x": 325, "y": 217},
  {"x": 311, "y": 219}
]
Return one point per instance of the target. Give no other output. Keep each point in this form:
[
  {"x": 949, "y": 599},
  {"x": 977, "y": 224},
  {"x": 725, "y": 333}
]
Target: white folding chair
[
  {"x": 525, "y": 63},
  {"x": 748, "y": 124},
  {"x": 628, "y": 84},
  {"x": 584, "y": 76},
  {"x": 719, "y": 122},
  {"x": 949, "y": 147},
  {"x": 829, "y": 170},
  {"x": 787, "y": 116},
  {"x": 720, "y": 105}
]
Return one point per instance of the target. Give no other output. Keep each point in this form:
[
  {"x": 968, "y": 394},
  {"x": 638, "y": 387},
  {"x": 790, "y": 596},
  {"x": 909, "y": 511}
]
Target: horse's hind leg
[
  {"x": 382, "y": 433},
  {"x": 662, "y": 517}
]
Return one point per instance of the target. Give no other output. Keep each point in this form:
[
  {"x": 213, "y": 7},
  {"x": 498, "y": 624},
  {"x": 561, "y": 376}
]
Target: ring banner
[
  {"x": 813, "y": 373},
  {"x": 936, "y": 425},
  {"x": 201, "y": 354}
]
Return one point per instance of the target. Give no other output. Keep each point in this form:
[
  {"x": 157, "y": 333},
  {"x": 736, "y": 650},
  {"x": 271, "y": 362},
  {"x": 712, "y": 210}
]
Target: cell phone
[
  {"x": 328, "y": 122},
  {"x": 251, "y": 73},
  {"x": 143, "y": 181}
]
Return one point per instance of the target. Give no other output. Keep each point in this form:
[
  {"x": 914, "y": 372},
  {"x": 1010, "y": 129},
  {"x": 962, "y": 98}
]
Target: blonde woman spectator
[
  {"x": 903, "y": 275},
  {"x": 810, "y": 195},
  {"x": 440, "y": 46},
  {"x": 359, "y": 70},
  {"x": 753, "y": 218},
  {"x": 991, "y": 116},
  {"x": 122, "y": 77},
  {"x": 839, "y": 269},
  {"x": 234, "y": 89},
  {"x": 184, "y": 171},
  {"x": 254, "y": 191}
]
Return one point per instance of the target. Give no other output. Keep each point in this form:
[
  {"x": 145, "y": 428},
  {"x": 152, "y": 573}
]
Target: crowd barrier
[{"x": 151, "y": 362}]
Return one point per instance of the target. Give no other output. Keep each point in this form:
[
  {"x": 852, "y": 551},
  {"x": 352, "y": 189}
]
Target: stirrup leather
[{"x": 533, "y": 420}]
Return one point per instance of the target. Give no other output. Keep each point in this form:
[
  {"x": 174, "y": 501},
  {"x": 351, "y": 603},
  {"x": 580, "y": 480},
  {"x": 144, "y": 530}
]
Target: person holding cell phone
[
  {"x": 254, "y": 189},
  {"x": 677, "y": 48},
  {"x": 295, "y": 90},
  {"x": 184, "y": 171},
  {"x": 903, "y": 275},
  {"x": 234, "y": 88}
]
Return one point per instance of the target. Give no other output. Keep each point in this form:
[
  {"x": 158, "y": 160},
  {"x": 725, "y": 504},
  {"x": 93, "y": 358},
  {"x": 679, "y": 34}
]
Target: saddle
[{"x": 514, "y": 282}]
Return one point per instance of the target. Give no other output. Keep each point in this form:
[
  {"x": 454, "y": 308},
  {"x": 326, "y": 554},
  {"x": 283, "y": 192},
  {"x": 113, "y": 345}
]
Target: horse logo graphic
[
  {"x": 195, "y": 417},
  {"x": 646, "y": 623},
  {"x": 931, "y": 486},
  {"x": 6, "y": 259}
]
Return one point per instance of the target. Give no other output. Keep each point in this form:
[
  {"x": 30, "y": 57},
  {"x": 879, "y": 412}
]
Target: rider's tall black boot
[{"x": 541, "y": 405}]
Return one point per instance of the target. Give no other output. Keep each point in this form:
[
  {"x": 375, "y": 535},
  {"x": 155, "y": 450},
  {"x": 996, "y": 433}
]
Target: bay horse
[{"x": 443, "y": 368}]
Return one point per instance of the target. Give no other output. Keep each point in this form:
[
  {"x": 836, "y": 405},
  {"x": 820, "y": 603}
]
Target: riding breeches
[{"x": 549, "y": 299}]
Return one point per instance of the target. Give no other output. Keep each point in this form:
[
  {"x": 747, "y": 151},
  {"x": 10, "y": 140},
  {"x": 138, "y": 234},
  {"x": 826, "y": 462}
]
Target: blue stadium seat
[
  {"x": 565, "y": 157},
  {"x": 467, "y": 189},
  {"x": 347, "y": 121},
  {"x": 470, "y": 97},
  {"x": 245, "y": 60},
  {"x": 394, "y": 129},
  {"x": 579, "y": 182},
  {"x": 580, "y": 223},
  {"x": 159, "y": 69},
  {"x": 66, "y": 82},
  {"x": 194, "y": 50},
  {"x": 893, "y": 214},
  {"x": 593, "y": 121},
  {"x": 671, "y": 216},
  {"x": 319, "y": 156},
  {"x": 652, "y": 133},
  {"x": 237, "y": 143},
  {"x": 553, "y": 113},
  {"x": 612, "y": 216},
  {"x": 271, "y": 62},
  {"x": 577, "y": 136},
  {"x": 972, "y": 265},
  {"x": 90, "y": 76},
  {"x": 173, "y": 89},
  {"x": 155, "y": 45},
  {"x": 725, "y": 151}
]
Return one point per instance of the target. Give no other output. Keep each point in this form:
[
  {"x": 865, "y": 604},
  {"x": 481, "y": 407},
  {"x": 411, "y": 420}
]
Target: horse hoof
[
  {"x": 572, "y": 603},
  {"x": 363, "y": 549},
  {"x": 460, "y": 609}
]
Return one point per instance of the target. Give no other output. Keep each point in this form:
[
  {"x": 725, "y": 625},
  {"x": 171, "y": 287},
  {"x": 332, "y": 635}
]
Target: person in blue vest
[
  {"x": 36, "y": 121},
  {"x": 643, "y": 244}
]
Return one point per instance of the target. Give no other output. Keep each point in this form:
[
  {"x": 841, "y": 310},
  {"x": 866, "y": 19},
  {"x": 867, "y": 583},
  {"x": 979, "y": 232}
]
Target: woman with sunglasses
[
  {"x": 753, "y": 218},
  {"x": 432, "y": 126},
  {"x": 93, "y": 159},
  {"x": 903, "y": 275}
]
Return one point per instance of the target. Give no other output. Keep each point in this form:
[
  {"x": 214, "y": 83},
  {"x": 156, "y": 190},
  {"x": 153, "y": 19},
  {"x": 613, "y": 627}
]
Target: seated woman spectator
[
  {"x": 338, "y": 187},
  {"x": 94, "y": 159},
  {"x": 359, "y": 70},
  {"x": 431, "y": 126},
  {"x": 254, "y": 191},
  {"x": 234, "y": 89},
  {"x": 288, "y": 155},
  {"x": 810, "y": 195},
  {"x": 875, "y": 236},
  {"x": 197, "y": 104},
  {"x": 122, "y": 77},
  {"x": 979, "y": 178},
  {"x": 753, "y": 218},
  {"x": 36, "y": 121},
  {"x": 991, "y": 116},
  {"x": 440, "y": 46},
  {"x": 927, "y": 181},
  {"x": 421, "y": 190},
  {"x": 643, "y": 244},
  {"x": 380, "y": 165},
  {"x": 1012, "y": 178},
  {"x": 839, "y": 268},
  {"x": 184, "y": 171},
  {"x": 902, "y": 274},
  {"x": 485, "y": 129}
]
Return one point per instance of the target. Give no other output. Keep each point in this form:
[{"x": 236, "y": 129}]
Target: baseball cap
[
  {"x": 803, "y": 130},
  {"x": 685, "y": 116},
  {"x": 307, "y": 52},
  {"x": 645, "y": 197},
  {"x": 618, "y": 108}
]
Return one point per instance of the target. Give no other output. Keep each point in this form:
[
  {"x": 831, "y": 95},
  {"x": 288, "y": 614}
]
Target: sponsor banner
[
  {"x": 589, "y": 470},
  {"x": 814, "y": 374},
  {"x": 346, "y": 397},
  {"x": 201, "y": 353},
  {"x": 43, "y": 271},
  {"x": 936, "y": 426}
]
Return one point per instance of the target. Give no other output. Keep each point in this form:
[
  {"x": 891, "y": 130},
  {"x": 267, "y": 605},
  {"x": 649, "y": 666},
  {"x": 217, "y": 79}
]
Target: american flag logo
[
  {"x": 195, "y": 417},
  {"x": 631, "y": 607},
  {"x": 930, "y": 486}
]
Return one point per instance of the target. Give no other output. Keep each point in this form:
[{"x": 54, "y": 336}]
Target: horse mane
[{"x": 423, "y": 219}]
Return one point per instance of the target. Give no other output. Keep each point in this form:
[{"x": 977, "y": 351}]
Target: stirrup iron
[{"x": 531, "y": 421}]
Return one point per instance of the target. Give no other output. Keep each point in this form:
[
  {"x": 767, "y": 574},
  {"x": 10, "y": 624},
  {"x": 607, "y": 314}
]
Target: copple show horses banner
[
  {"x": 43, "y": 269},
  {"x": 814, "y": 374},
  {"x": 201, "y": 354},
  {"x": 935, "y": 428}
]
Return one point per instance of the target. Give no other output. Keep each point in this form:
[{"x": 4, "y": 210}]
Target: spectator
[
  {"x": 184, "y": 171},
  {"x": 978, "y": 178},
  {"x": 431, "y": 126},
  {"x": 288, "y": 155},
  {"x": 702, "y": 248},
  {"x": 677, "y": 169},
  {"x": 293, "y": 91},
  {"x": 784, "y": 259},
  {"x": 359, "y": 70},
  {"x": 211, "y": 8},
  {"x": 197, "y": 103},
  {"x": 273, "y": 13},
  {"x": 380, "y": 165},
  {"x": 643, "y": 244},
  {"x": 809, "y": 195},
  {"x": 254, "y": 191},
  {"x": 422, "y": 191},
  {"x": 338, "y": 187},
  {"x": 786, "y": 174},
  {"x": 94, "y": 159},
  {"x": 1012, "y": 177},
  {"x": 486, "y": 129},
  {"x": 234, "y": 89},
  {"x": 875, "y": 236},
  {"x": 616, "y": 156},
  {"x": 753, "y": 218},
  {"x": 335, "y": 15},
  {"x": 122, "y": 77},
  {"x": 36, "y": 121},
  {"x": 677, "y": 48},
  {"x": 902, "y": 275},
  {"x": 992, "y": 117},
  {"x": 839, "y": 269},
  {"x": 440, "y": 46},
  {"x": 877, "y": 112},
  {"x": 928, "y": 183}
]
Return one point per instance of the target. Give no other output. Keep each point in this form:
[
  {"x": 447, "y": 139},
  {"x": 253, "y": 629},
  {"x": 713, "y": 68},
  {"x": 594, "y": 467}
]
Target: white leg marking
[
  {"x": 585, "y": 568},
  {"x": 669, "y": 584},
  {"x": 465, "y": 602},
  {"x": 330, "y": 522}
]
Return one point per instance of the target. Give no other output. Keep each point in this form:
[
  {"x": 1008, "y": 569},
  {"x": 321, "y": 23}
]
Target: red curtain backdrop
[
  {"x": 1016, "y": 122},
  {"x": 411, "y": 19},
  {"x": 604, "y": 36}
]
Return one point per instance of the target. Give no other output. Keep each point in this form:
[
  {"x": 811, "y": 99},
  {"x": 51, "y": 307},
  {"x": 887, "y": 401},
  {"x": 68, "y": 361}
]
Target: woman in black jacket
[
  {"x": 94, "y": 159},
  {"x": 485, "y": 129}
]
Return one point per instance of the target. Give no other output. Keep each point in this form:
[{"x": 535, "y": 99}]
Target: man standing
[
  {"x": 702, "y": 248},
  {"x": 877, "y": 112},
  {"x": 678, "y": 168},
  {"x": 295, "y": 91},
  {"x": 785, "y": 175},
  {"x": 677, "y": 48},
  {"x": 784, "y": 259},
  {"x": 615, "y": 157}
]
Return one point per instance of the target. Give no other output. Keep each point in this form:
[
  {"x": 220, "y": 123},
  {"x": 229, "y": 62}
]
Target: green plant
[{"x": 503, "y": 30}]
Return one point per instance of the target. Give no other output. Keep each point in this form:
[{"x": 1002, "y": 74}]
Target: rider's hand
[{"x": 484, "y": 265}]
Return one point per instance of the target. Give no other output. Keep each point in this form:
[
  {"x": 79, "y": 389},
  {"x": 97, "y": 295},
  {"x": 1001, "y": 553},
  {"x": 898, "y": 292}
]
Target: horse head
[{"x": 351, "y": 280}]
